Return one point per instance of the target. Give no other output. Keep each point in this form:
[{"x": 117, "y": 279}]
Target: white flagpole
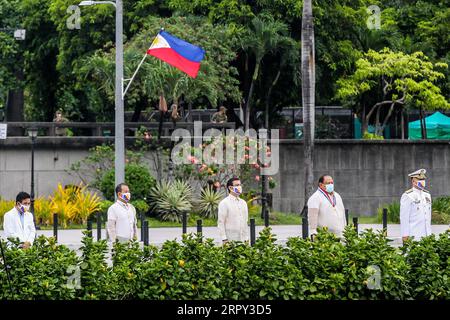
[
  {"x": 134, "y": 75},
  {"x": 135, "y": 72}
]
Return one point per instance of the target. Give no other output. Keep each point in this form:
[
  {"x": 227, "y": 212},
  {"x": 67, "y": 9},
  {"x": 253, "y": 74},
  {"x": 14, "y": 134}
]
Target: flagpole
[
  {"x": 136, "y": 71},
  {"x": 134, "y": 75}
]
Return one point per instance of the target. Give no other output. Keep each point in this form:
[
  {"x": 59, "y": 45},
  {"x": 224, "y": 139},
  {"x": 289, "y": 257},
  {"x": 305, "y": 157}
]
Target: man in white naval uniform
[{"x": 415, "y": 208}]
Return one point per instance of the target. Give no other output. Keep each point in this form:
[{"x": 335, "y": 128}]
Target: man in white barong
[
  {"x": 326, "y": 209},
  {"x": 233, "y": 214},
  {"x": 122, "y": 222},
  {"x": 18, "y": 222},
  {"x": 415, "y": 208}
]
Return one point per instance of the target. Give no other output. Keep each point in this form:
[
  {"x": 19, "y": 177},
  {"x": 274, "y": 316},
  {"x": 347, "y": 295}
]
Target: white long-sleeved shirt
[
  {"x": 415, "y": 213},
  {"x": 122, "y": 222},
  {"x": 232, "y": 219},
  {"x": 321, "y": 213},
  {"x": 13, "y": 228}
]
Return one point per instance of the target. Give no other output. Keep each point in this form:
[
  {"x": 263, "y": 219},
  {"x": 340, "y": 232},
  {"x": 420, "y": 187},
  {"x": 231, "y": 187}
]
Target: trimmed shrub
[
  {"x": 137, "y": 177},
  {"x": 358, "y": 267}
]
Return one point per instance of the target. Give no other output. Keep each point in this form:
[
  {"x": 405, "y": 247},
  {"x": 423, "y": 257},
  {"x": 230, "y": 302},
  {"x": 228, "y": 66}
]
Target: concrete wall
[
  {"x": 367, "y": 173},
  {"x": 51, "y": 163}
]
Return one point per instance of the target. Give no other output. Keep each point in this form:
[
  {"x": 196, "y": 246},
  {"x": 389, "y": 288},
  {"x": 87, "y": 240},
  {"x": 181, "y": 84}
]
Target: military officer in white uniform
[{"x": 415, "y": 208}]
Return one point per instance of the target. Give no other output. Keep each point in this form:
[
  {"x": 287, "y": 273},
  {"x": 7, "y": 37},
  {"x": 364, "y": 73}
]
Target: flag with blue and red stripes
[{"x": 177, "y": 53}]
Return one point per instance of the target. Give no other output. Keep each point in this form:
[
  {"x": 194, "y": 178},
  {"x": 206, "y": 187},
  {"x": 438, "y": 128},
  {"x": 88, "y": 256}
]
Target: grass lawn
[
  {"x": 367, "y": 220},
  {"x": 275, "y": 218}
]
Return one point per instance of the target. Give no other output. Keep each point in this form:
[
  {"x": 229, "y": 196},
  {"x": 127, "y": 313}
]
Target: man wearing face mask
[
  {"x": 18, "y": 222},
  {"x": 415, "y": 208},
  {"x": 326, "y": 209},
  {"x": 233, "y": 214},
  {"x": 122, "y": 222}
]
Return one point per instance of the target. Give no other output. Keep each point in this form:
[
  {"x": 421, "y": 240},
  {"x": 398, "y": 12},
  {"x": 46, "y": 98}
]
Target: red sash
[{"x": 327, "y": 195}]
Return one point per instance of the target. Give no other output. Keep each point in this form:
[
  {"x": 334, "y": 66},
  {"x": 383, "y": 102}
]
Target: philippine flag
[{"x": 177, "y": 52}]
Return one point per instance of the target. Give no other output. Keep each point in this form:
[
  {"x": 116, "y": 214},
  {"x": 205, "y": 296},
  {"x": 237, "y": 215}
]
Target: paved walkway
[{"x": 157, "y": 236}]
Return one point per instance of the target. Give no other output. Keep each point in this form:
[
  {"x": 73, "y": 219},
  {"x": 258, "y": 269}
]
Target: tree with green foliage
[
  {"x": 11, "y": 63},
  {"x": 236, "y": 12},
  {"x": 216, "y": 80},
  {"x": 265, "y": 36},
  {"x": 419, "y": 26},
  {"x": 53, "y": 57},
  {"x": 398, "y": 80}
]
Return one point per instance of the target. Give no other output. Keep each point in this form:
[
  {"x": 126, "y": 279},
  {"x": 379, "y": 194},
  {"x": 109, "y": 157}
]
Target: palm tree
[
  {"x": 263, "y": 37},
  {"x": 308, "y": 90},
  {"x": 289, "y": 57}
]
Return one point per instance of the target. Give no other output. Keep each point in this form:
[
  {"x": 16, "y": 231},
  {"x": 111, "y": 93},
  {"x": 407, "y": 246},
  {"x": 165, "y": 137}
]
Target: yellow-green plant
[
  {"x": 62, "y": 204},
  {"x": 371, "y": 136},
  {"x": 250, "y": 198},
  {"x": 86, "y": 203},
  {"x": 5, "y": 206},
  {"x": 43, "y": 211},
  {"x": 74, "y": 204}
]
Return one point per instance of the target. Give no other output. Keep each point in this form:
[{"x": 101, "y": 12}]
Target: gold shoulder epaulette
[
  {"x": 425, "y": 191},
  {"x": 409, "y": 190}
]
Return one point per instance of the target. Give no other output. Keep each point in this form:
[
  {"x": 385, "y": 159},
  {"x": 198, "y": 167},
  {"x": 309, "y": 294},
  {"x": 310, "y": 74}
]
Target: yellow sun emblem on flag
[{"x": 155, "y": 42}]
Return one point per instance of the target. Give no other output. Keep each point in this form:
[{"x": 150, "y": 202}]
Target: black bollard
[
  {"x": 200, "y": 229},
  {"x": 184, "y": 223},
  {"x": 146, "y": 233},
  {"x": 346, "y": 216},
  {"x": 142, "y": 226},
  {"x": 385, "y": 212},
  {"x": 89, "y": 227},
  {"x": 252, "y": 232},
  {"x": 99, "y": 226},
  {"x": 266, "y": 217},
  {"x": 55, "y": 226},
  {"x": 305, "y": 230},
  {"x": 199, "y": 226},
  {"x": 355, "y": 223}
]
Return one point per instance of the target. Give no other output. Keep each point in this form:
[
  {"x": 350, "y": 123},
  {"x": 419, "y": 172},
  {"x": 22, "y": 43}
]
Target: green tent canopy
[{"x": 438, "y": 127}]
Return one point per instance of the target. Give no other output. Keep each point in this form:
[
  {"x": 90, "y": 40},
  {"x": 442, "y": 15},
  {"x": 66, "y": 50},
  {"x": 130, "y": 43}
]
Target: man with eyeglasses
[{"x": 233, "y": 214}]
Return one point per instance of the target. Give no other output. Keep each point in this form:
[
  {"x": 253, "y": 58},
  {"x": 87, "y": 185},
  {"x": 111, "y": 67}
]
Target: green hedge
[{"x": 323, "y": 269}]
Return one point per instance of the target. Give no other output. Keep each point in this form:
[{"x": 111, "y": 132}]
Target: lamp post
[
  {"x": 263, "y": 144},
  {"x": 32, "y": 133},
  {"x": 119, "y": 136}
]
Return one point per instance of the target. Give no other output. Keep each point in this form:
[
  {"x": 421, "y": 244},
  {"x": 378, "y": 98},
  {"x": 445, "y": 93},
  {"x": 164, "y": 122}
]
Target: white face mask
[
  {"x": 421, "y": 184},
  {"x": 237, "y": 189},
  {"x": 126, "y": 196},
  {"x": 329, "y": 187},
  {"x": 24, "y": 208}
]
